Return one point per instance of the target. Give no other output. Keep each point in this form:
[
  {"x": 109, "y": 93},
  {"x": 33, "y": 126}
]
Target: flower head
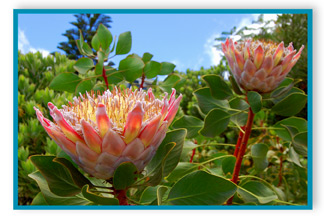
[
  {"x": 259, "y": 66},
  {"x": 101, "y": 131}
]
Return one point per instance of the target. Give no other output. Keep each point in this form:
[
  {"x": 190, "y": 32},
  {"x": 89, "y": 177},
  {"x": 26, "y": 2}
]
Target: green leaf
[
  {"x": 191, "y": 123},
  {"x": 65, "y": 82},
  {"x": 95, "y": 43},
  {"x": 160, "y": 193},
  {"x": 131, "y": 68},
  {"x": 104, "y": 36},
  {"x": 290, "y": 105},
  {"x": 181, "y": 170},
  {"x": 166, "y": 68},
  {"x": 51, "y": 198},
  {"x": 147, "y": 57},
  {"x": 256, "y": 192},
  {"x": 255, "y": 101},
  {"x": 77, "y": 176},
  {"x": 98, "y": 199},
  {"x": 152, "y": 69},
  {"x": 39, "y": 200},
  {"x": 299, "y": 143},
  {"x": 124, "y": 43},
  {"x": 99, "y": 65},
  {"x": 58, "y": 176},
  {"x": 216, "y": 122},
  {"x": 218, "y": 87},
  {"x": 201, "y": 188},
  {"x": 113, "y": 76},
  {"x": 177, "y": 136},
  {"x": 156, "y": 166},
  {"x": 294, "y": 157},
  {"x": 83, "y": 86},
  {"x": 259, "y": 155},
  {"x": 206, "y": 102},
  {"x": 149, "y": 195},
  {"x": 285, "y": 94},
  {"x": 167, "y": 156},
  {"x": 235, "y": 87},
  {"x": 282, "y": 90},
  {"x": 239, "y": 104},
  {"x": 125, "y": 175},
  {"x": 299, "y": 123},
  {"x": 83, "y": 65},
  {"x": 228, "y": 165},
  {"x": 169, "y": 82},
  {"x": 87, "y": 49}
]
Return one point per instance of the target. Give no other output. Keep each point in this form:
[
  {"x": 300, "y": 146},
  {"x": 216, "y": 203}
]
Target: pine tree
[{"x": 88, "y": 24}]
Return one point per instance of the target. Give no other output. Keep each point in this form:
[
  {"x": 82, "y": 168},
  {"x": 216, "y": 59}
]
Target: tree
[{"x": 88, "y": 24}]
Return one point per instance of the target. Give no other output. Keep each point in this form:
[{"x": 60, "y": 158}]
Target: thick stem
[
  {"x": 143, "y": 80},
  {"x": 241, "y": 152},
  {"x": 239, "y": 141},
  {"x": 121, "y": 196},
  {"x": 281, "y": 163},
  {"x": 192, "y": 155},
  {"x": 105, "y": 76}
]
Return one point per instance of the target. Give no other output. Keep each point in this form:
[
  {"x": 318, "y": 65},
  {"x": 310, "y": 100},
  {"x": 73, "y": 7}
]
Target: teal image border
[{"x": 309, "y": 13}]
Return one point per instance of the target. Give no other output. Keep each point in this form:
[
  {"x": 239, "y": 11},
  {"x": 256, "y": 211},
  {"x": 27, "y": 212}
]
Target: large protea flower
[
  {"x": 259, "y": 66},
  {"x": 101, "y": 131}
]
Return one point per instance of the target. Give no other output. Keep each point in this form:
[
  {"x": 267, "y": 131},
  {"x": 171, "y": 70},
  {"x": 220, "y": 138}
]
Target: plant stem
[
  {"x": 121, "y": 196},
  {"x": 105, "y": 76},
  {"x": 239, "y": 141},
  {"x": 281, "y": 162},
  {"x": 241, "y": 152},
  {"x": 192, "y": 155},
  {"x": 143, "y": 80}
]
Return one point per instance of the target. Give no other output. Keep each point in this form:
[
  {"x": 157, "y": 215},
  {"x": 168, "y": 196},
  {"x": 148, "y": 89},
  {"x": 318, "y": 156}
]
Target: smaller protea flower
[
  {"x": 259, "y": 66},
  {"x": 99, "y": 132}
]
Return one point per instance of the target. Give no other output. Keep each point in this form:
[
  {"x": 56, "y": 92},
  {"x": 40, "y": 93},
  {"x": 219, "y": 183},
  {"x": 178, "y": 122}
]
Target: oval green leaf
[
  {"x": 290, "y": 105},
  {"x": 218, "y": 87},
  {"x": 201, "y": 188},
  {"x": 216, "y": 122},
  {"x": 191, "y": 123},
  {"x": 83, "y": 65},
  {"x": 124, "y": 43},
  {"x": 65, "y": 82},
  {"x": 125, "y": 175},
  {"x": 255, "y": 101},
  {"x": 206, "y": 102},
  {"x": 259, "y": 155},
  {"x": 166, "y": 68},
  {"x": 131, "y": 68}
]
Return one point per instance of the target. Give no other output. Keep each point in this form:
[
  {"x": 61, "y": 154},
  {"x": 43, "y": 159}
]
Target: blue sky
[{"x": 184, "y": 39}]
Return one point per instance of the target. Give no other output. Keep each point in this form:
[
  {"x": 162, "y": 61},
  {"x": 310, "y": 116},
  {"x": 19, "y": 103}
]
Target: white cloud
[
  {"x": 215, "y": 55},
  {"x": 25, "y": 47}
]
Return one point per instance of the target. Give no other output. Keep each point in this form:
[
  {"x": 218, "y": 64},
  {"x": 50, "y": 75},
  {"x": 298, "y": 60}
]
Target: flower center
[{"x": 118, "y": 104}]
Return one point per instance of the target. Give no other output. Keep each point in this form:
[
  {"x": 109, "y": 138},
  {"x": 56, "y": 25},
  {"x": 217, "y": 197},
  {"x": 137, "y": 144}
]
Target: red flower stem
[
  {"x": 105, "y": 76},
  {"x": 241, "y": 152},
  {"x": 143, "y": 80},
  {"x": 280, "y": 165},
  {"x": 192, "y": 155},
  {"x": 193, "y": 152},
  {"x": 121, "y": 196},
  {"x": 239, "y": 141}
]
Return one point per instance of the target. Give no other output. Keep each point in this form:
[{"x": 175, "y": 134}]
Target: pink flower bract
[
  {"x": 259, "y": 66},
  {"x": 99, "y": 132}
]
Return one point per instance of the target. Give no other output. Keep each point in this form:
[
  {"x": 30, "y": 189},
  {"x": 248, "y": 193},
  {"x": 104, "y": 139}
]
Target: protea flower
[
  {"x": 99, "y": 132},
  {"x": 259, "y": 66}
]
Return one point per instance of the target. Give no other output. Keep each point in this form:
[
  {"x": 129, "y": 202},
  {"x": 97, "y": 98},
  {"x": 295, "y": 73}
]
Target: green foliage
[
  {"x": 35, "y": 74},
  {"x": 87, "y": 24},
  {"x": 194, "y": 163}
]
